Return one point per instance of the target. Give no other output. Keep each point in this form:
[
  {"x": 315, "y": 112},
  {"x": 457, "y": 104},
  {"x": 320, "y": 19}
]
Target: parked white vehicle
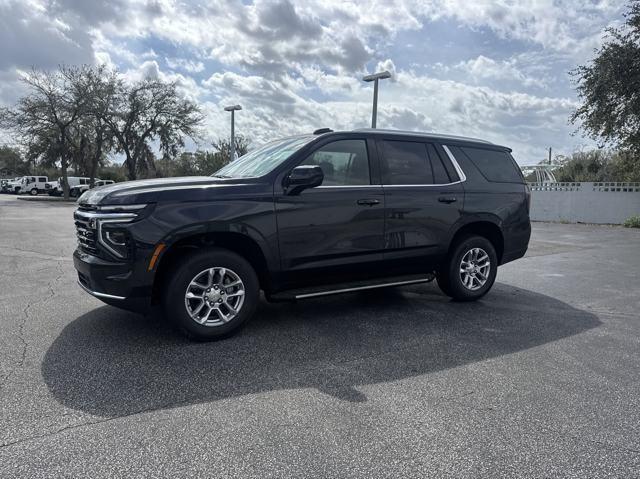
[
  {"x": 55, "y": 188},
  {"x": 29, "y": 184},
  {"x": 14, "y": 186},
  {"x": 5, "y": 184},
  {"x": 76, "y": 191}
]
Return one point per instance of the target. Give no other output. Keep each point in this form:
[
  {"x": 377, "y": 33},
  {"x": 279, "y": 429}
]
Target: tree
[
  {"x": 222, "y": 148},
  {"x": 44, "y": 118},
  {"x": 12, "y": 162},
  {"x": 93, "y": 138},
  {"x": 594, "y": 165},
  {"x": 608, "y": 88},
  {"x": 150, "y": 110}
]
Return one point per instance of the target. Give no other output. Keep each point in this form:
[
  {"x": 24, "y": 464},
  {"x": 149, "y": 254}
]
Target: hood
[{"x": 153, "y": 190}]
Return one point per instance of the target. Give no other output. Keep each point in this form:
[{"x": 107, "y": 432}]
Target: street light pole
[
  {"x": 374, "y": 78},
  {"x": 232, "y": 146}
]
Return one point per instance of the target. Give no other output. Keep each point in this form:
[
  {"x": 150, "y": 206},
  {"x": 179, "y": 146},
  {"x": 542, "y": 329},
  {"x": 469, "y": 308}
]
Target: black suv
[{"x": 305, "y": 216}]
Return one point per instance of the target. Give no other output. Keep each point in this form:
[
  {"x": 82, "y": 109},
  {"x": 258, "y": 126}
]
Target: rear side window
[
  {"x": 406, "y": 163},
  {"x": 440, "y": 175},
  {"x": 497, "y": 166},
  {"x": 42, "y": 179}
]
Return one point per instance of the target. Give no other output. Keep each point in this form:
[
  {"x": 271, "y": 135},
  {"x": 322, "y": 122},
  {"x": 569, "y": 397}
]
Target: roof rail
[{"x": 425, "y": 134}]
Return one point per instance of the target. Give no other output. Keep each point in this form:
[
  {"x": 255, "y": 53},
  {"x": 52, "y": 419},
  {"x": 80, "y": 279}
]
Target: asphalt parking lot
[{"x": 540, "y": 379}]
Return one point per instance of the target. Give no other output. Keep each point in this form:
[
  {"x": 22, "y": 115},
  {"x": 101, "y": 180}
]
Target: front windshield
[{"x": 263, "y": 160}]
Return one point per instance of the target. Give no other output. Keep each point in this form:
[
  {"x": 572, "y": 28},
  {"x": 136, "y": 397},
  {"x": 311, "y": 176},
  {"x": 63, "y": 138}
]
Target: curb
[{"x": 52, "y": 199}]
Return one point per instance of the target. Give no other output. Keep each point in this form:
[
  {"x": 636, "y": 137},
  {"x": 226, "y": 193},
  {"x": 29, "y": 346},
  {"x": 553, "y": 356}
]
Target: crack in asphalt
[{"x": 25, "y": 317}]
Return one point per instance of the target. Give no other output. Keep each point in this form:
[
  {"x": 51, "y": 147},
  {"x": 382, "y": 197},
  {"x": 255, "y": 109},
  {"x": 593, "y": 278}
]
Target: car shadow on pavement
[{"x": 112, "y": 363}]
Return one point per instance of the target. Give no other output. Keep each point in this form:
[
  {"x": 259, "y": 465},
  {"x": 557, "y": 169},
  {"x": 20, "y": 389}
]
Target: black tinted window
[
  {"x": 406, "y": 163},
  {"x": 343, "y": 162},
  {"x": 440, "y": 175},
  {"x": 494, "y": 165}
]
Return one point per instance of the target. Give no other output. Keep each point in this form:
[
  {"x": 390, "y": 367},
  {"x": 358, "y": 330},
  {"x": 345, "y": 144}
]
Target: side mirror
[{"x": 303, "y": 177}]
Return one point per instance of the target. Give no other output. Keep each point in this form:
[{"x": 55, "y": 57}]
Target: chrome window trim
[
  {"x": 348, "y": 186},
  {"x": 461, "y": 174}
]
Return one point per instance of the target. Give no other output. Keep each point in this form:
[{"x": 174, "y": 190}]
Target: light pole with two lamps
[{"x": 374, "y": 78}]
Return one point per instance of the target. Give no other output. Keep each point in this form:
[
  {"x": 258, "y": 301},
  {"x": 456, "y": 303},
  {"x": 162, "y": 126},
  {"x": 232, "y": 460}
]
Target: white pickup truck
[
  {"x": 28, "y": 184},
  {"x": 54, "y": 188},
  {"x": 77, "y": 190}
]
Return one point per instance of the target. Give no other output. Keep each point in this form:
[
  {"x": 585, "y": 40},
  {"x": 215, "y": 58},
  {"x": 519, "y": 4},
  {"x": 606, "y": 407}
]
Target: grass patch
[{"x": 632, "y": 222}]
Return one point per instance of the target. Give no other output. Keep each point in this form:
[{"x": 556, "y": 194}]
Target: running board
[{"x": 347, "y": 288}]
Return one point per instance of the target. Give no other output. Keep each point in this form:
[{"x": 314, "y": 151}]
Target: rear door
[{"x": 424, "y": 197}]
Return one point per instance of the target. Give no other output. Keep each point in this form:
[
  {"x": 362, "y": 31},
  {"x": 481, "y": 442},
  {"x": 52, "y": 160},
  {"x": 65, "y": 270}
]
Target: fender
[
  {"x": 465, "y": 220},
  {"x": 250, "y": 218}
]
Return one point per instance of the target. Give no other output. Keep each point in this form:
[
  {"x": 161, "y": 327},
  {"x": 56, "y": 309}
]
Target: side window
[
  {"x": 440, "y": 175},
  {"x": 343, "y": 162},
  {"x": 406, "y": 163},
  {"x": 84, "y": 181},
  {"x": 42, "y": 179},
  {"x": 497, "y": 166}
]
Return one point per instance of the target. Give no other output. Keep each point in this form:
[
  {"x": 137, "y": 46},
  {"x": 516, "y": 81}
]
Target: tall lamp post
[
  {"x": 374, "y": 78},
  {"x": 233, "y": 109}
]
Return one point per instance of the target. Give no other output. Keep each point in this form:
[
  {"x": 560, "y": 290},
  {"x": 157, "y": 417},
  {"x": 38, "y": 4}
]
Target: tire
[
  {"x": 33, "y": 192},
  {"x": 73, "y": 193},
  {"x": 470, "y": 288},
  {"x": 190, "y": 274}
]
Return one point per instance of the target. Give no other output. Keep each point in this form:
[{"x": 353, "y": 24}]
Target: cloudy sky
[{"x": 495, "y": 70}]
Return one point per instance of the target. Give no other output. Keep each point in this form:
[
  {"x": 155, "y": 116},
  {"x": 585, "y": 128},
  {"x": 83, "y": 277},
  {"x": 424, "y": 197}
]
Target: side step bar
[{"x": 347, "y": 288}]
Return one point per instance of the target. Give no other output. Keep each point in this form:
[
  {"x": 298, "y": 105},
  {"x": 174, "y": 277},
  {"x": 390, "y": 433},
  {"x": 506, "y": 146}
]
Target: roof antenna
[{"x": 320, "y": 131}]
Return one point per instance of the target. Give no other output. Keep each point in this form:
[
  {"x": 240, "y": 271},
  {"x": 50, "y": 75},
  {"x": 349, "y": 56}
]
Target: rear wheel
[
  {"x": 470, "y": 270},
  {"x": 211, "y": 294},
  {"x": 33, "y": 192}
]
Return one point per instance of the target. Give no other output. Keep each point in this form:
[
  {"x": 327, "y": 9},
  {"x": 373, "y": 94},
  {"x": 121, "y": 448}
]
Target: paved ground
[{"x": 540, "y": 379}]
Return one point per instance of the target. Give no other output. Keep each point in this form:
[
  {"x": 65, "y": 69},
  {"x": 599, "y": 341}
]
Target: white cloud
[
  {"x": 296, "y": 65},
  {"x": 481, "y": 68}
]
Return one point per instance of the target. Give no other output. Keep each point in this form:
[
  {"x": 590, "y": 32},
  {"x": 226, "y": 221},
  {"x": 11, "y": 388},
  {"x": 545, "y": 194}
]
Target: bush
[{"x": 633, "y": 222}]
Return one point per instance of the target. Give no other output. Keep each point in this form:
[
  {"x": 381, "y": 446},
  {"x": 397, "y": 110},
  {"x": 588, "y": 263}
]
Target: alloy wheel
[
  {"x": 214, "y": 296},
  {"x": 474, "y": 269}
]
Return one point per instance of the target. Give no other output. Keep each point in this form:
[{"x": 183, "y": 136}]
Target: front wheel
[
  {"x": 211, "y": 294},
  {"x": 470, "y": 270}
]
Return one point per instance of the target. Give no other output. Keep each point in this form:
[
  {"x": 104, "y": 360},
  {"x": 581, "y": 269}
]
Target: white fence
[{"x": 585, "y": 202}]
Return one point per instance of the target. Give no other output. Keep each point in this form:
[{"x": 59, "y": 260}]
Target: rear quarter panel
[{"x": 504, "y": 204}]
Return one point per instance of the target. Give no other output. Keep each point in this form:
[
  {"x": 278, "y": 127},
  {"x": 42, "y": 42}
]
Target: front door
[{"x": 338, "y": 223}]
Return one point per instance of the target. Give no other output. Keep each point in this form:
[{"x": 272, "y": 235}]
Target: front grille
[{"x": 87, "y": 239}]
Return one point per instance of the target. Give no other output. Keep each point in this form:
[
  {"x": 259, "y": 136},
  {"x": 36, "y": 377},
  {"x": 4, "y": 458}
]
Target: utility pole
[
  {"x": 374, "y": 78},
  {"x": 232, "y": 146}
]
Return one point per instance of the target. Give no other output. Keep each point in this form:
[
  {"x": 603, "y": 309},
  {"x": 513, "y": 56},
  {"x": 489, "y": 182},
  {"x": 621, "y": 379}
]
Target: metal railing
[{"x": 618, "y": 187}]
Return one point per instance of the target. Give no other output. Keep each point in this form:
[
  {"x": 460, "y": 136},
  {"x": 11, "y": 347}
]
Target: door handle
[
  {"x": 368, "y": 201},
  {"x": 447, "y": 199}
]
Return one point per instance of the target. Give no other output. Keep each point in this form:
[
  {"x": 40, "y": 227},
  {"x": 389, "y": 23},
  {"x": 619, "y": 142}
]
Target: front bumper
[{"x": 116, "y": 284}]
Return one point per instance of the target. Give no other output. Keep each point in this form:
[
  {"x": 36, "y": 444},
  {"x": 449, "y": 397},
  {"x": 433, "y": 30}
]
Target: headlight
[{"x": 117, "y": 241}]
